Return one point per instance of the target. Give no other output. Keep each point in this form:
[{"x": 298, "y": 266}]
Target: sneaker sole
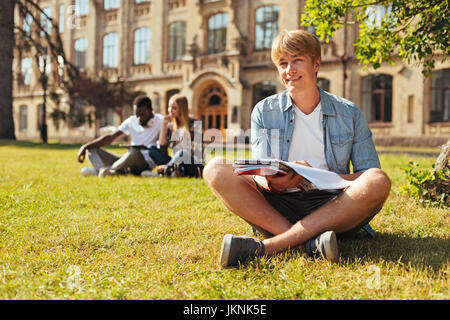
[
  {"x": 330, "y": 246},
  {"x": 225, "y": 250},
  {"x": 86, "y": 172}
]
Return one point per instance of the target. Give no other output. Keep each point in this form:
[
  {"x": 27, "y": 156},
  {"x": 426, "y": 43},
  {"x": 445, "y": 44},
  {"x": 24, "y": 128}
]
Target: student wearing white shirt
[
  {"x": 143, "y": 127},
  {"x": 311, "y": 127}
]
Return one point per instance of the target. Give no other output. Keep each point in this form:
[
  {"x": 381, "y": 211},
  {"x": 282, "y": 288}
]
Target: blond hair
[
  {"x": 295, "y": 43},
  {"x": 183, "y": 108}
]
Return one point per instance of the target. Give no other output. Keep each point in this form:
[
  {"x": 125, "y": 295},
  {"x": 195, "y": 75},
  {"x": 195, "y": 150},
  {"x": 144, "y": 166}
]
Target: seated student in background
[
  {"x": 143, "y": 127},
  {"x": 177, "y": 132},
  {"x": 309, "y": 126}
]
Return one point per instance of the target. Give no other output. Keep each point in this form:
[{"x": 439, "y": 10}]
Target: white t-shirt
[
  {"x": 145, "y": 136},
  {"x": 307, "y": 138}
]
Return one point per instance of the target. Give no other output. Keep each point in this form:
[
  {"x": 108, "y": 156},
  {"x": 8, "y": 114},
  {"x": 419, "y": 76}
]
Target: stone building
[{"x": 217, "y": 53}]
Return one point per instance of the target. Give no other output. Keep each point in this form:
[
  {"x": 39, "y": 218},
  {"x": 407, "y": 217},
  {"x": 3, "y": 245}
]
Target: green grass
[
  {"x": 431, "y": 150},
  {"x": 64, "y": 236}
]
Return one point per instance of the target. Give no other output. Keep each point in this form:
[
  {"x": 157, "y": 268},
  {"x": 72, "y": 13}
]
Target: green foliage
[
  {"x": 429, "y": 187},
  {"x": 412, "y": 30}
]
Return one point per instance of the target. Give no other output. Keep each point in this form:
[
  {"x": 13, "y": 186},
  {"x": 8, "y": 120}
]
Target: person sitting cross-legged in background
[
  {"x": 143, "y": 127},
  {"x": 177, "y": 132},
  {"x": 309, "y": 126}
]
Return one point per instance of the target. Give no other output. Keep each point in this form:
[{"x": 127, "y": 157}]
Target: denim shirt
[{"x": 346, "y": 137}]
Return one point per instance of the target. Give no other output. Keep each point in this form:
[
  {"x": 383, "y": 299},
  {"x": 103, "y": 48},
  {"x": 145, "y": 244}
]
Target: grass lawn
[{"x": 64, "y": 236}]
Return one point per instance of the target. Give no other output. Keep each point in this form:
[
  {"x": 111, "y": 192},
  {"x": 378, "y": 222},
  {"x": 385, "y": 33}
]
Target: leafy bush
[{"x": 428, "y": 187}]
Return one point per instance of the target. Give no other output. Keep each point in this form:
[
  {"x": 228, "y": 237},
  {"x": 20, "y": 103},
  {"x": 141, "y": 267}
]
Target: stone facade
[{"x": 223, "y": 83}]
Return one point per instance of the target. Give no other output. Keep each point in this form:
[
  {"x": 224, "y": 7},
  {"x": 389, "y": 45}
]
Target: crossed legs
[
  {"x": 132, "y": 160},
  {"x": 362, "y": 200}
]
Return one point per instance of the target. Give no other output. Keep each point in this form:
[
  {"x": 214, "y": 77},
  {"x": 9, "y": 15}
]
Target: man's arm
[
  {"x": 98, "y": 143},
  {"x": 258, "y": 141},
  {"x": 364, "y": 155},
  {"x": 351, "y": 176}
]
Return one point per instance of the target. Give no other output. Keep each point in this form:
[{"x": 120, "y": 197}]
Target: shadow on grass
[
  {"x": 50, "y": 146},
  {"x": 418, "y": 252}
]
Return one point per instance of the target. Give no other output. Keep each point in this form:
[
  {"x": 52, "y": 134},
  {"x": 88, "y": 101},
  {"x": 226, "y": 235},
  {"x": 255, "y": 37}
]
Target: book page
[{"x": 322, "y": 179}]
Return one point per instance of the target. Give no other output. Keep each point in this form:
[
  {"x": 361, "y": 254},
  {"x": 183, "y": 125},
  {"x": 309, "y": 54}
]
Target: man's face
[
  {"x": 298, "y": 73},
  {"x": 143, "y": 114}
]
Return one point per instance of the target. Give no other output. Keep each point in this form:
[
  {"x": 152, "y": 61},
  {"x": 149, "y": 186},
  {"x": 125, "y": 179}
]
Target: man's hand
[
  {"x": 81, "y": 154},
  {"x": 280, "y": 184},
  {"x": 98, "y": 143},
  {"x": 162, "y": 168},
  {"x": 167, "y": 119}
]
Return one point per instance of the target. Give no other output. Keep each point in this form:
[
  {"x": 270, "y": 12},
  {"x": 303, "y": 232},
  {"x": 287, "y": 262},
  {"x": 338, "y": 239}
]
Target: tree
[
  {"x": 44, "y": 38},
  {"x": 6, "y": 58},
  {"x": 102, "y": 94},
  {"x": 416, "y": 31}
]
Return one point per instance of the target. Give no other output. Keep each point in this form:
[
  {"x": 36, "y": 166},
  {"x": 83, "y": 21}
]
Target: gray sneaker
[
  {"x": 87, "y": 171},
  {"x": 239, "y": 249},
  {"x": 148, "y": 173},
  {"x": 105, "y": 172},
  {"x": 323, "y": 246}
]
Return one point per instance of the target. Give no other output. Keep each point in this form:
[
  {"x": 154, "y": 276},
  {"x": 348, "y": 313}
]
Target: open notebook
[{"x": 313, "y": 178}]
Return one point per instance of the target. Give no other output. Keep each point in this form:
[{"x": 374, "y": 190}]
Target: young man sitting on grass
[
  {"x": 309, "y": 126},
  {"x": 143, "y": 127}
]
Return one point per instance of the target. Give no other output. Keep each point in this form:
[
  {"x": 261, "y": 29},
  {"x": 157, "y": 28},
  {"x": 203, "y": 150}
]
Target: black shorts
[{"x": 294, "y": 206}]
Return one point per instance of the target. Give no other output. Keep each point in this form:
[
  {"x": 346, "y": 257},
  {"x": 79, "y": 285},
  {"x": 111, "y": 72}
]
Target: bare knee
[
  {"x": 216, "y": 171},
  {"x": 378, "y": 184}
]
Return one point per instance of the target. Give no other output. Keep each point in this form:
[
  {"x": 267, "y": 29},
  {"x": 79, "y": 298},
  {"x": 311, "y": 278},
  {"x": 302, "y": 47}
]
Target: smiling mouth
[{"x": 293, "y": 79}]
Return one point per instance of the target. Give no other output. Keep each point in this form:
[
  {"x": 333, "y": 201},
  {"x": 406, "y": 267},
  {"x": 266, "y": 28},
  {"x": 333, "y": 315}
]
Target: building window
[
  {"x": 27, "y": 23},
  {"x": 23, "y": 118},
  {"x": 45, "y": 22},
  {"x": 142, "y": 38},
  {"x": 111, "y": 4},
  {"x": 266, "y": 27},
  {"x": 80, "y": 52},
  {"x": 377, "y": 98},
  {"x": 61, "y": 19},
  {"x": 83, "y": 7},
  {"x": 141, "y": 1},
  {"x": 26, "y": 70},
  {"x": 77, "y": 115},
  {"x": 177, "y": 40},
  {"x": 60, "y": 69},
  {"x": 217, "y": 33},
  {"x": 107, "y": 118},
  {"x": 111, "y": 50},
  {"x": 169, "y": 95},
  {"x": 45, "y": 62},
  {"x": 440, "y": 96},
  {"x": 323, "y": 84},
  {"x": 263, "y": 90},
  {"x": 39, "y": 114},
  {"x": 410, "y": 108},
  {"x": 215, "y": 100}
]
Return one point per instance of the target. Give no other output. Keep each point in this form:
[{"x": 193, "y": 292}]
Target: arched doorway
[{"x": 213, "y": 108}]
